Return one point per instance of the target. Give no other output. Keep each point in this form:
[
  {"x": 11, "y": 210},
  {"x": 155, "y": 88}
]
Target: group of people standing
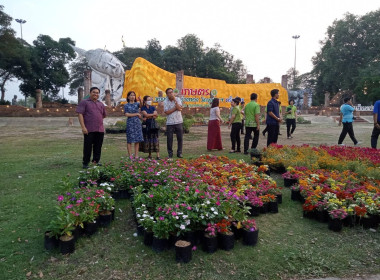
[
  {"x": 248, "y": 117},
  {"x": 142, "y": 130}
]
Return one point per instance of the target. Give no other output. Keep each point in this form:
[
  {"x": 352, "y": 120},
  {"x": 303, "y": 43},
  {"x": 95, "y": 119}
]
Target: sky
[{"x": 256, "y": 31}]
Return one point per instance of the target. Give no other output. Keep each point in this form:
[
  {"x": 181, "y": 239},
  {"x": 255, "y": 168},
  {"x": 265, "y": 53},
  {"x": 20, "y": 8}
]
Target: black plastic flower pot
[
  {"x": 183, "y": 252},
  {"x": 67, "y": 244},
  {"x": 116, "y": 195},
  {"x": 105, "y": 218},
  {"x": 226, "y": 241},
  {"x": 50, "y": 242},
  {"x": 279, "y": 198},
  {"x": 209, "y": 243},
  {"x": 159, "y": 244},
  {"x": 273, "y": 207},
  {"x": 295, "y": 195},
  {"x": 254, "y": 211},
  {"x": 90, "y": 228},
  {"x": 264, "y": 209},
  {"x": 335, "y": 225},
  {"x": 250, "y": 237},
  {"x": 148, "y": 238},
  {"x": 237, "y": 232},
  {"x": 290, "y": 182}
]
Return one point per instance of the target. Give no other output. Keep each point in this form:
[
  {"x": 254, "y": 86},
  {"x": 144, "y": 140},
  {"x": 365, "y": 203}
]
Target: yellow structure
[{"x": 145, "y": 78}]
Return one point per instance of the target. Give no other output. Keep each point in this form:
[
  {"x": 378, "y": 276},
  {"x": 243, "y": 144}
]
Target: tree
[
  {"x": 173, "y": 59},
  {"x": 153, "y": 51},
  {"x": 349, "y": 51},
  {"x": 48, "y": 59},
  {"x": 77, "y": 69},
  {"x": 192, "y": 50},
  {"x": 14, "y": 59},
  {"x": 265, "y": 80},
  {"x": 128, "y": 55}
]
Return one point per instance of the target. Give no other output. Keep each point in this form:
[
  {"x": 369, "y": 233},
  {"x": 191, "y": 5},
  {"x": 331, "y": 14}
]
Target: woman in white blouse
[{"x": 214, "y": 138}]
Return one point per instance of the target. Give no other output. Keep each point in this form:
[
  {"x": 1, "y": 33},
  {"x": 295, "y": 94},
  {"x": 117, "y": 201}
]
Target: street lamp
[
  {"x": 21, "y": 22},
  {"x": 295, "y": 37}
]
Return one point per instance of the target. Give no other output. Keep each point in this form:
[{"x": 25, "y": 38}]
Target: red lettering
[
  {"x": 185, "y": 91},
  {"x": 201, "y": 91},
  {"x": 194, "y": 91}
]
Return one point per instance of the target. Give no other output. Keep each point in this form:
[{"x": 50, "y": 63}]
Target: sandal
[{"x": 232, "y": 151}]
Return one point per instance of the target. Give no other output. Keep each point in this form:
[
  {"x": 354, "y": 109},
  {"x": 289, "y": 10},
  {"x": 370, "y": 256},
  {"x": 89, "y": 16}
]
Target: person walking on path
[
  {"x": 273, "y": 118},
  {"x": 151, "y": 143},
  {"x": 376, "y": 122},
  {"x": 252, "y": 123},
  {"x": 291, "y": 117},
  {"x": 347, "y": 117},
  {"x": 134, "y": 126},
  {"x": 235, "y": 123},
  {"x": 174, "y": 122},
  {"x": 214, "y": 139},
  {"x": 91, "y": 113}
]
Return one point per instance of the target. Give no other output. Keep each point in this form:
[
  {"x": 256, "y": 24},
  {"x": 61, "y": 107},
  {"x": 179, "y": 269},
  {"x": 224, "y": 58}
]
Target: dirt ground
[{"x": 322, "y": 130}]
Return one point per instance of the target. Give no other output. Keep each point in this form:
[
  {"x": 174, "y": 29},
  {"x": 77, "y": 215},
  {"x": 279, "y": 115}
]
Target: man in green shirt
[
  {"x": 291, "y": 116},
  {"x": 252, "y": 123}
]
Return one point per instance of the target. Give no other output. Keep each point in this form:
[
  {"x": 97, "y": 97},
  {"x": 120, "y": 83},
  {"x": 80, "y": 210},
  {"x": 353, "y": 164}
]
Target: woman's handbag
[{"x": 154, "y": 125}]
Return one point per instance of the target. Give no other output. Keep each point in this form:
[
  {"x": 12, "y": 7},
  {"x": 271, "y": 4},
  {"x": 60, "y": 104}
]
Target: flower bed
[
  {"x": 340, "y": 195},
  {"x": 364, "y": 161},
  {"x": 173, "y": 199}
]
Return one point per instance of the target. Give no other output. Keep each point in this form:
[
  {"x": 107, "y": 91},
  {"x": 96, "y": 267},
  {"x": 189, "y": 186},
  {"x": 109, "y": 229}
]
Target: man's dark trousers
[
  {"x": 273, "y": 130},
  {"x": 93, "y": 142},
  {"x": 178, "y": 130}
]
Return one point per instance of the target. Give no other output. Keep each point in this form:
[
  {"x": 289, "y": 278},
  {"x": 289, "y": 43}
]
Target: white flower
[
  {"x": 215, "y": 213},
  {"x": 207, "y": 202},
  {"x": 212, "y": 209},
  {"x": 138, "y": 215},
  {"x": 185, "y": 216},
  {"x": 187, "y": 222},
  {"x": 182, "y": 227},
  {"x": 177, "y": 217}
]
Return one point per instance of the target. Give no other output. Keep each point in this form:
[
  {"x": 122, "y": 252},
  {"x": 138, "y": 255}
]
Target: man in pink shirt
[{"x": 91, "y": 113}]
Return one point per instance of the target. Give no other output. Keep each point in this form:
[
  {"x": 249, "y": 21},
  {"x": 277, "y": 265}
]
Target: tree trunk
[
  {"x": 2, "y": 86},
  {"x": 38, "y": 98}
]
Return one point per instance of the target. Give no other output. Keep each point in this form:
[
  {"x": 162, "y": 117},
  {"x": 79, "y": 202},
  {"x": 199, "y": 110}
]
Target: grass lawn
[{"x": 37, "y": 153}]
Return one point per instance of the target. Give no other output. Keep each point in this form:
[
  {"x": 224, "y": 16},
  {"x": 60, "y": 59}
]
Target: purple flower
[{"x": 162, "y": 218}]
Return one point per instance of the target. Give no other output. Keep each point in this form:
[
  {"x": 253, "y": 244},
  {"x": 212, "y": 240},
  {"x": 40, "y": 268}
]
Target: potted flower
[
  {"x": 64, "y": 226},
  {"x": 256, "y": 156},
  {"x": 107, "y": 204},
  {"x": 250, "y": 232},
  {"x": 290, "y": 177},
  {"x": 210, "y": 240},
  {"x": 336, "y": 219},
  {"x": 161, "y": 230},
  {"x": 226, "y": 237}
]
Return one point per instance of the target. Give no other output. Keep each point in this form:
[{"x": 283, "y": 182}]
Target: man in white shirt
[{"x": 174, "y": 122}]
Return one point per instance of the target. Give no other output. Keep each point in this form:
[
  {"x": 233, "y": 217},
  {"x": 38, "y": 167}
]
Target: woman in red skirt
[{"x": 214, "y": 138}]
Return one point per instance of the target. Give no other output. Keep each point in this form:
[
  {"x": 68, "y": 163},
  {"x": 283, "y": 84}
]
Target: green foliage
[
  {"x": 48, "y": 59},
  {"x": 348, "y": 56},
  {"x": 187, "y": 123},
  {"x": 302, "y": 120},
  {"x": 14, "y": 57},
  {"x": 191, "y": 56},
  {"x": 77, "y": 69}
]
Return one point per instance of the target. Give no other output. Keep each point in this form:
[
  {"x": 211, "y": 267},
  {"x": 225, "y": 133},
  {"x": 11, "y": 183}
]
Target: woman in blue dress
[
  {"x": 134, "y": 127},
  {"x": 151, "y": 142}
]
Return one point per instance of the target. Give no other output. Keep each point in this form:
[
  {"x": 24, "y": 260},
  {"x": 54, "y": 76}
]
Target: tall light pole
[
  {"x": 21, "y": 22},
  {"x": 295, "y": 37}
]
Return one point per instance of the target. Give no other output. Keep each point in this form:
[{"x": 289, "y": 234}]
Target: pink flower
[
  {"x": 162, "y": 218},
  {"x": 60, "y": 197},
  {"x": 151, "y": 195}
]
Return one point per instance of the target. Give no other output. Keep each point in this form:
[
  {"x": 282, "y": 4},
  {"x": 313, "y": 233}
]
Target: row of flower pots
[
  {"x": 185, "y": 244},
  {"x": 66, "y": 242}
]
